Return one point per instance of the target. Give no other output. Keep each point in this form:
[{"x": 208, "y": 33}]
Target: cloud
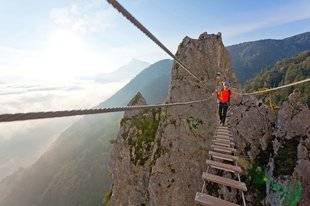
[
  {"x": 83, "y": 17},
  {"x": 21, "y": 98},
  {"x": 21, "y": 143}
]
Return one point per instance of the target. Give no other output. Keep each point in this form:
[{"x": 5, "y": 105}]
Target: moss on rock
[
  {"x": 285, "y": 160},
  {"x": 141, "y": 144},
  {"x": 194, "y": 123}
]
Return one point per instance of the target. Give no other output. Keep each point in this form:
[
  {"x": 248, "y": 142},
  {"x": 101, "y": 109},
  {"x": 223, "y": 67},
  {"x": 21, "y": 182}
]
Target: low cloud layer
[{"x": 21, "y": 143}]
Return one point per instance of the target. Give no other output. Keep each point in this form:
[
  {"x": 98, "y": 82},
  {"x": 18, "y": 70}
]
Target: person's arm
[{"x": 230, "y": 93}]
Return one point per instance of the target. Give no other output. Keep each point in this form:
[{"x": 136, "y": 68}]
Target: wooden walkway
[{"x": 222, "y": 157}]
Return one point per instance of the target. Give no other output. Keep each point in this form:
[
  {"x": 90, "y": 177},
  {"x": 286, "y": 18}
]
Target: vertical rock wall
[
  {"x": 175, "y": 156},
  {"x": 186, "y": 132}
]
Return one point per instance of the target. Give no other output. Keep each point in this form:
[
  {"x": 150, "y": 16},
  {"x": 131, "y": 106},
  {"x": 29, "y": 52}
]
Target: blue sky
[{"x": 78, "y": 37}]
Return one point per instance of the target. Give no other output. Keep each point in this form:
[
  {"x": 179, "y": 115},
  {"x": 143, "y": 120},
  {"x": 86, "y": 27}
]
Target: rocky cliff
[
  {"x": 159, "y": 155},
  {"x": 159, "y": 161},
  {"x": 274, "y": 150}
]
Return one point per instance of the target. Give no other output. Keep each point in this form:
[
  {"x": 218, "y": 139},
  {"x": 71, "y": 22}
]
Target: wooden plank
[
  {"x": 208, "y": 200},
  {"x": 223, "y": 130},
  {"x": 221, "y": 138},
  {"x": 223, "y": 127},
  {"x": 223, "y": 156},
  {"x": 223, "y": 141},
  {"x": 222, "y": 144},
  {"x": 224, "y": 148},
  {"x": 224, "y": 181},
  {"x": 224, "y": 133},
  {"x": 216, "y": 149},
  {"x": 223, "y": 166}
]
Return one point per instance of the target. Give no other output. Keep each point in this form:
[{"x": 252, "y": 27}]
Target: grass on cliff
[
  {"x": 286, "y": 158},
  {"x": 141, "y": 145}
]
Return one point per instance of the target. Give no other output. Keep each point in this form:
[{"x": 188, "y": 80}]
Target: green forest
[{"x": 283, "y": 72}]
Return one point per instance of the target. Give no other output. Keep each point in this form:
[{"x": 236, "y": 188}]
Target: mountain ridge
[
  {"x": 128, "y": 71},
  {"x": 248, "y": 58}
]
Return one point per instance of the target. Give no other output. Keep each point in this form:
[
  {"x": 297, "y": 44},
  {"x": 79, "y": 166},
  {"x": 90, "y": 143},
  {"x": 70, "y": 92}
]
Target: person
[{"x": 223, "y": 97}]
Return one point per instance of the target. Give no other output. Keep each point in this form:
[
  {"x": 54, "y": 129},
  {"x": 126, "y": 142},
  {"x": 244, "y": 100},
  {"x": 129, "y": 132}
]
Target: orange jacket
[{"x": 224, "y": 95}]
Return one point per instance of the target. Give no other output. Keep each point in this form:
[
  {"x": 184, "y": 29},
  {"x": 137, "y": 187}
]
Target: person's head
[{"x": 226, "y": 84}]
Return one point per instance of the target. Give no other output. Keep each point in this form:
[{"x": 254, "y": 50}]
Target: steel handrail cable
[
  {"x": 142, "y": 28},
  {"x": 67, "y": 113},
  {"x": 275, "y": 88}
]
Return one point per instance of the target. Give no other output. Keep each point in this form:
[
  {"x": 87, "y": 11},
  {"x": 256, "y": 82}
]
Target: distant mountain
[
  {"x": 157, "y": 74},
  {"x": 74, "y": 170},
  {"x": 125, "y": 72},
  {"x": 249, "y": 58},
  {"x": 285, "y": 71}
]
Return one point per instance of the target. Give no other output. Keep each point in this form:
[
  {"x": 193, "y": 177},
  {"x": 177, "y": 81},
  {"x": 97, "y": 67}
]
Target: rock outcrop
[
  {"x": 186, "y": 133},
  {"x": 274, "y": 150},
  {"x": 252, "y": 123},
  {"x": 290, "y": 161},
  {"x": 175, "y": 158},
  {"x": 159, "y": 155},
  {"x": 131, "y": 155}
]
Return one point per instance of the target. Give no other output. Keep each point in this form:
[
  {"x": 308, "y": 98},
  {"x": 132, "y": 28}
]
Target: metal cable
[
  {"x": 67, "y": 113},
  {"x": 133, "y": 20},
  {"x": 276, "y": 88}
]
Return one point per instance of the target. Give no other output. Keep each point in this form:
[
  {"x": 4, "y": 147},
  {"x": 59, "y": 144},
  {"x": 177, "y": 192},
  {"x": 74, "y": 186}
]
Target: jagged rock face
[
  {"x": 291, "y": 161},
  {"x": 131, "y": 155},
  {"x": 186, "y": 132},
  {"x": 175, "y": 159},
  {"x": 251, "y": 123},
  {"x": 205, "y": 57},
  {"x": 292, "y": 118},
  {"x": 274, "y": 150}
]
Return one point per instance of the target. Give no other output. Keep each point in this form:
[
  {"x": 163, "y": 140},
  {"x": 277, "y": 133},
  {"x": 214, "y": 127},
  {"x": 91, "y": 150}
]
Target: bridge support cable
[
  {"x": 275, "y": 88},
  {"x": 67, "y": 113},
  {"x": 142, "y": 28}
]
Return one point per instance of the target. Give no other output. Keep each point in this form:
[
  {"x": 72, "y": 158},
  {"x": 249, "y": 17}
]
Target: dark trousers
[{"x": 222, "y": 111}]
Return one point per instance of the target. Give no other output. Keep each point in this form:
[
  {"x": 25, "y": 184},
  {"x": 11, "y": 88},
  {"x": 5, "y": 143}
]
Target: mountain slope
[
  {"x": 285, "y": 71},
  {"x": 250, "y": 57},
  {"x": 73, "y": 171},
  {"x": 125, "y": 72}
]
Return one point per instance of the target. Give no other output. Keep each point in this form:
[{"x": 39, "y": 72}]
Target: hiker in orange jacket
[{"x": 223, "y": 97}]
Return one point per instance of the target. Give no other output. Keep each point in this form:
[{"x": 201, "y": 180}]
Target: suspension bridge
[{"x": 222, "y": 155}]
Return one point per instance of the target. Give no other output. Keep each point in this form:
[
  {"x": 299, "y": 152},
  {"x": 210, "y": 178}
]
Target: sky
[{"x": 64, "y": 39}]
